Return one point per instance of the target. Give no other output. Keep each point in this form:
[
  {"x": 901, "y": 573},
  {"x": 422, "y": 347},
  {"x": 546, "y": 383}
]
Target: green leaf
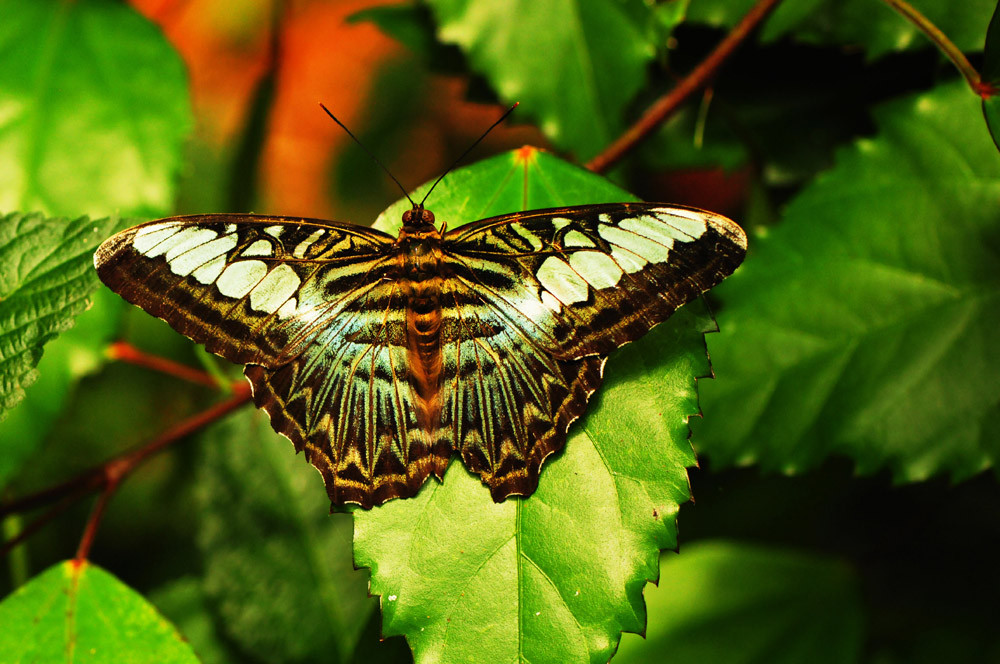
[
  {"x": 413, "y": 26},
  {"x": 864, "y": 324},
  {"x": 991, "y": 51},
  {"x": 777, "y": 605},
  {"x": 991, "y": 76},
  {"x": 93, "y": 123},
  {"x": 76, "y": 612},
  {"x": 991, "y": 112},
  {"x": 555, "y": 577},
  {"x": 46, "y": 279},
  {"x": 874, "y": 25},
  {"x": 278, "y": 570},
  {"x": 183, "y": 602},
  {"x": 574, "y": 65}
]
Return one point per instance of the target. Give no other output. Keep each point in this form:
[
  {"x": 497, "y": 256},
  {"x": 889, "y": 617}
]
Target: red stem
[
  {"x": 668, "y": 104},
  {"x": 109, "y": 475},
  {"x": 126, "y": 352}
]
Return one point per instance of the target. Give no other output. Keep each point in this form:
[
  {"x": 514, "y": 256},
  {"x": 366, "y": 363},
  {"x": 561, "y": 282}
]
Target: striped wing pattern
[
  {"x": 558, "y": 290},
  {"x": 527, "y": 307}
]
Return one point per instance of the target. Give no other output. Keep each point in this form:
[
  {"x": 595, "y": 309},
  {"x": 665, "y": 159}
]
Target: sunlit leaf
[
  {"x": 731, "y": 603},
  {"x": 555, "y": 577},
  {"x": 573, "y": 65},
  {"x": 76, "y": 612},
  {"x": 865, "y": 323},
  {"x": 92, "y": 124}
]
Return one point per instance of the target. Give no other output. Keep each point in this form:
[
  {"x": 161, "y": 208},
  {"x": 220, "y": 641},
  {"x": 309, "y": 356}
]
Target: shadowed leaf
[
  {"x": 864, "y": 323},
  {"x": 731, "y": 603}
]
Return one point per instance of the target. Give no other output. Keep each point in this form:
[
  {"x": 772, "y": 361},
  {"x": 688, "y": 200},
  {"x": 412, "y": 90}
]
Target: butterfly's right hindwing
[{"x": 251, "y": 288}]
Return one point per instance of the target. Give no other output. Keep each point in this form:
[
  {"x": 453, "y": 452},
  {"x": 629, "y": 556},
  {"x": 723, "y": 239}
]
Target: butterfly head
[{"x": 418, "y": 216}]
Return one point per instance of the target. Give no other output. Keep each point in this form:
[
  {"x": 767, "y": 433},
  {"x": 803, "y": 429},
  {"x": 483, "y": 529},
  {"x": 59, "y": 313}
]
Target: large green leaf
[
  {"x": 96, "y": 108},
  {"x": 865, "y": 324},
  {"x": 278, "y": 570},
  {"x": 46, "y": 278},
  {"x": 555, "y": 577},
  {"x": 870, "y": 23},
  {"x": 76, "y": 612},
  {"x": 574, "y": 65},
  {"x": 731, "y": 603},
  {"x": 91, "y": 124}
]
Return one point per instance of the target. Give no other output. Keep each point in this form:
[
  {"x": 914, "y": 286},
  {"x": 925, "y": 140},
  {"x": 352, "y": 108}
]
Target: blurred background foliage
[{"x": 790, "y": 553}]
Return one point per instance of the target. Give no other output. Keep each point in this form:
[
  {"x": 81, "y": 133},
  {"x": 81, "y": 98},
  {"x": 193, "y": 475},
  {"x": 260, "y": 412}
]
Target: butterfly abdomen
[{"x": 420, "y": 274}]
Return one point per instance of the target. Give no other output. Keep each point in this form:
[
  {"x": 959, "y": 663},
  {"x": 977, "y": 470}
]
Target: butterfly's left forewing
[{"x": 253, "y": 289}]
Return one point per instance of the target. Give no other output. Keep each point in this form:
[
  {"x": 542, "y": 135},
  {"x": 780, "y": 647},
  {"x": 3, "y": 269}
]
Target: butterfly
[{"x": 380, "y": 357}]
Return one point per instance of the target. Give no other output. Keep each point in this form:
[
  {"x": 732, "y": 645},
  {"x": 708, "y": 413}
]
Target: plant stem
[
  {"x": 17, "y": 564},
  {"x": 668, "y": 104},
  {"x": 126, "y": 352},
  {"x": 946, "y": 46},
  {"x": 109, "y": 475}
]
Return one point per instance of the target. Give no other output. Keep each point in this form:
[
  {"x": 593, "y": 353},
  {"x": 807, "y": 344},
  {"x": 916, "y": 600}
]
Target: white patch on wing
[
  {"x": 230, "y": 228},
  {"x": 274, "y": 231},
  {"x": 536, "y": 243},
  {"x": 560, "y": 222},
  {"x": 559, "y": 279},
  {"x": 551, "y": 302},
  {"x": 239, "y": 277},
  {"x": 577, "y": 239},
  {"x": 598, "y": 269},
  {"x": 194, "y": 259},
  {"x": 654, "y": 229},
  {"x": 635, "y": 243},
  {"x": 148, "y": 237},
  {"x": 287, "y": 310},
  {"x": 275, "y": 289},
  {"x": 302, "y": 247},
  {"x": 211, "y": 270},
  {"x": 175, "y": 249},
  {"x": 689, "y": 222},
  {"x": 604, "y": 218},
  {"x": 258, "y": 248}
]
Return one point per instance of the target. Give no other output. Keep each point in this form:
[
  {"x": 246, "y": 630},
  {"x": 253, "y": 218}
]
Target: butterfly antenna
[
  {"x": 478, "y": 141},
  {"x": 369, "y": 153}
]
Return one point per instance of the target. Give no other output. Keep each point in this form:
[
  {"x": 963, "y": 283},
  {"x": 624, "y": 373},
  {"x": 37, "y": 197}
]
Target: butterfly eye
[{"x": 418, "y": 216}]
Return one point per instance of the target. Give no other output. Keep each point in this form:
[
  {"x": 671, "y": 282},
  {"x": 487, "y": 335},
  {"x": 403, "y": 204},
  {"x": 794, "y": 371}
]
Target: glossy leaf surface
[{"x": 76, "y": 612}]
